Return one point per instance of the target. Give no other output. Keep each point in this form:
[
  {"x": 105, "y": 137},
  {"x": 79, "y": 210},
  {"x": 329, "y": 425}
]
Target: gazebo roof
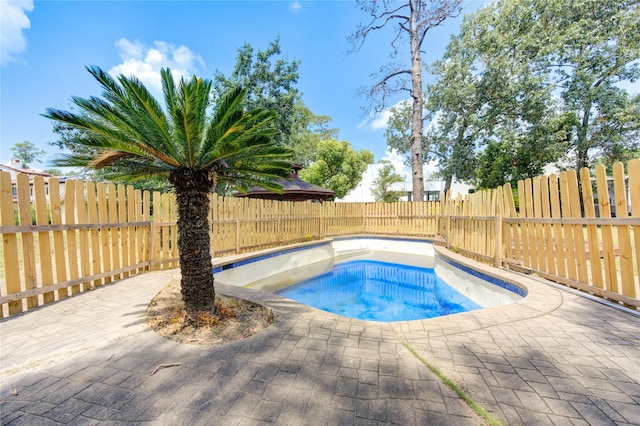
[{"x": 294, "y": 189}]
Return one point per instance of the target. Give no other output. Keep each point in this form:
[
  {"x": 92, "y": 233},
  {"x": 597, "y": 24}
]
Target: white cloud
[
  {"x": 13, "y": 20},
  {"x": 381, "y": 119},
  {"x": 398, "y": 161},
  {"x": 145, "y": 62},
  {"x": 295, "y": 6}
]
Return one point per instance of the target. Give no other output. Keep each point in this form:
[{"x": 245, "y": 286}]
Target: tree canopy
[
  {"x": 270, "y": 81},
  {"x": 528, "y": 83},
  {"x": 337, "y": 166},
  {"x": 307, "y": 131},
  {"x": 381, "y": 187},
  {"x": 26, "y": 152}
]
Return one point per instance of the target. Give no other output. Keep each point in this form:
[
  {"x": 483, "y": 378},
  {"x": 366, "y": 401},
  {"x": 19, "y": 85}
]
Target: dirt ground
[{"x": 236, "y": 319}]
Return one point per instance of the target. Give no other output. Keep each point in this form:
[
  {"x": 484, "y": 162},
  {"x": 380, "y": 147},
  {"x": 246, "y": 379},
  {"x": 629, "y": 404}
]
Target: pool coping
[{"x": 540, "y": 298}]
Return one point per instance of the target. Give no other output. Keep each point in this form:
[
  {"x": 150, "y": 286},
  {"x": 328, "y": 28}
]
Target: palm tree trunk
[{"x": 192, "y": 195}]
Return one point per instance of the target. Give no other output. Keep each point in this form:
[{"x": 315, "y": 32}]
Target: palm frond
[
  {"x": 226, "y": 123},
  {"x": 189, "y": 117},
  {"x": 151, "y": 119},
  {"x": 130, "y": 135},
  {"x": 106, "y": 158}
]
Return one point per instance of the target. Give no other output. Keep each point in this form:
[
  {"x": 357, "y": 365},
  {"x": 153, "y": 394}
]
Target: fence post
[{"x": 498, "y": 255}]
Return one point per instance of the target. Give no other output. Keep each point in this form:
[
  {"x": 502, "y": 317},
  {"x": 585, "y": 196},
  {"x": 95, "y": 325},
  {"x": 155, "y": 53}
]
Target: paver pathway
[{"x": 553, "y": 358}]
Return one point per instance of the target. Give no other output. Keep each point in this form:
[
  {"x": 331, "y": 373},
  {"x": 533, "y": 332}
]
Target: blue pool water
[{"x": 379, "y": 291}]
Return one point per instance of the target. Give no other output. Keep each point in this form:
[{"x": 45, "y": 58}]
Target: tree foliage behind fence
[{"x": 576, "y": 229}]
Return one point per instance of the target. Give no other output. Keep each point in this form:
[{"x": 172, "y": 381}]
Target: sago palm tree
[{"x": 130, "y": 131}]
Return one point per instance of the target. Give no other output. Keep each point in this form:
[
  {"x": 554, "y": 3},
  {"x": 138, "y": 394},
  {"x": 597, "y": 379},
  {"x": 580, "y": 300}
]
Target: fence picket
[
  {"x": 559, "y": 253},
  {"x": 527, "y": 200},
  {"x": 9, "y": 244},
  {"x": 608, "y": 252},
  {"x": 124, "y": 230},
  {"x": 146, "y": 217},
  {"x": 70, "y": 219},
  {"x": 166, "y": 217},
  {"x": 28, "y": 252},
  {"x": 94, "y": 234},
  {"x": 628, "y": 287},
  {"x": 59, "y": 251},
  {"x": 578, "y": 233},
  {"x": 569, "y": 240},
  {"x": 537, "y": 213},
  {"x": 83, "y": 237},
  {"x": 633, "y": 168},
  {"x": 112, "y": 204},
  {"x": 156, "y": 243},
  {"x": 548, "y": 235},
  {"x": 592, "y": 233},
  {"x": 44, "y": 241},
  {"x": 131, "y": 214},
  {"x": 105, "y": 232},
  {"x": 513, "y": 234}
]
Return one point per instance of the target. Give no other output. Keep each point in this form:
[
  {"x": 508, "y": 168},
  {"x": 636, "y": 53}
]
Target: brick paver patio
[{"x": 552, "y": 358}]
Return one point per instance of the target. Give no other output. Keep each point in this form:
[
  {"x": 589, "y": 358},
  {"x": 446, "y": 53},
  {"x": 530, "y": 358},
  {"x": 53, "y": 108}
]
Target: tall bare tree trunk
[{"x": 416, "y": 94}]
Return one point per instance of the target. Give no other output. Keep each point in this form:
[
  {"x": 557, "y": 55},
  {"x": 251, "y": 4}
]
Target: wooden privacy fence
[
  {"x": 63, "y": 237},
  {"x": 240, "y": 225},
  {"x": 558, "y": 227},
  {"x": 60, "y": 238}
]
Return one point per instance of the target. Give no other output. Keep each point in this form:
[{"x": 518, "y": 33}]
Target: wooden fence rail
[
  {"x": 60, "y": 238},
  {"x": 562, "y": 228}
]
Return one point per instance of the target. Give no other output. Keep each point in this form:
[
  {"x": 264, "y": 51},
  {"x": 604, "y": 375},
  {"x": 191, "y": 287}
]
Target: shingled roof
[{"x": 294, "y": 189}]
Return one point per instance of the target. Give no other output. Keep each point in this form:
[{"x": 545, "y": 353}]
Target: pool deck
[{"x": 552, "y": 358}]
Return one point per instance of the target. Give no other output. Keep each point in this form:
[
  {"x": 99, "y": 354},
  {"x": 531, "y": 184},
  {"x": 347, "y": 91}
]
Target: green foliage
[
  {"x": 74, "y": 140},
  {"x": 381, "y": 185},
  {"x": 34, "y": 221},
  {"x": 53, "y": 172},
  {"x": 142, "y": 140},
  {"x": 269, "y": 80},
  {"x": 307, "y": 132},
  {"x": 26, "y": 152},
  {"x": 398, "y": 130},
  {"x": 338, "y": 167},
  {"x": 525, "y": 82}
]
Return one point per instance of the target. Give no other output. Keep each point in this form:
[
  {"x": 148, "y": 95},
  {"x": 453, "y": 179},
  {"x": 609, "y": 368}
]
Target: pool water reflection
[{"x": 380, "y": 291}]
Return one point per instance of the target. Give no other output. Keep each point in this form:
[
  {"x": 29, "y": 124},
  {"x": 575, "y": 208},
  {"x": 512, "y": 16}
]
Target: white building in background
[
  {"x": 432, "y": 188},
  {"x": 14, "y": 168}
]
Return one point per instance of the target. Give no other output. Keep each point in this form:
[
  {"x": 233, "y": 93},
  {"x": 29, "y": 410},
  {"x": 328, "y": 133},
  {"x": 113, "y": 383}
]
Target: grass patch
[{"x": 488, "y": 417}]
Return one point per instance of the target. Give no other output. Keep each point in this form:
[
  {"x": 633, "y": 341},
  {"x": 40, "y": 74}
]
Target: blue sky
[{"x": 47, "y": 44}]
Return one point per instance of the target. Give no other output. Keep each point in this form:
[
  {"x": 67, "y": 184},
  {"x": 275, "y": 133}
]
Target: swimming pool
[
  {"x": 379, "y": 291},
  {"x": 275, "y": 269}
]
